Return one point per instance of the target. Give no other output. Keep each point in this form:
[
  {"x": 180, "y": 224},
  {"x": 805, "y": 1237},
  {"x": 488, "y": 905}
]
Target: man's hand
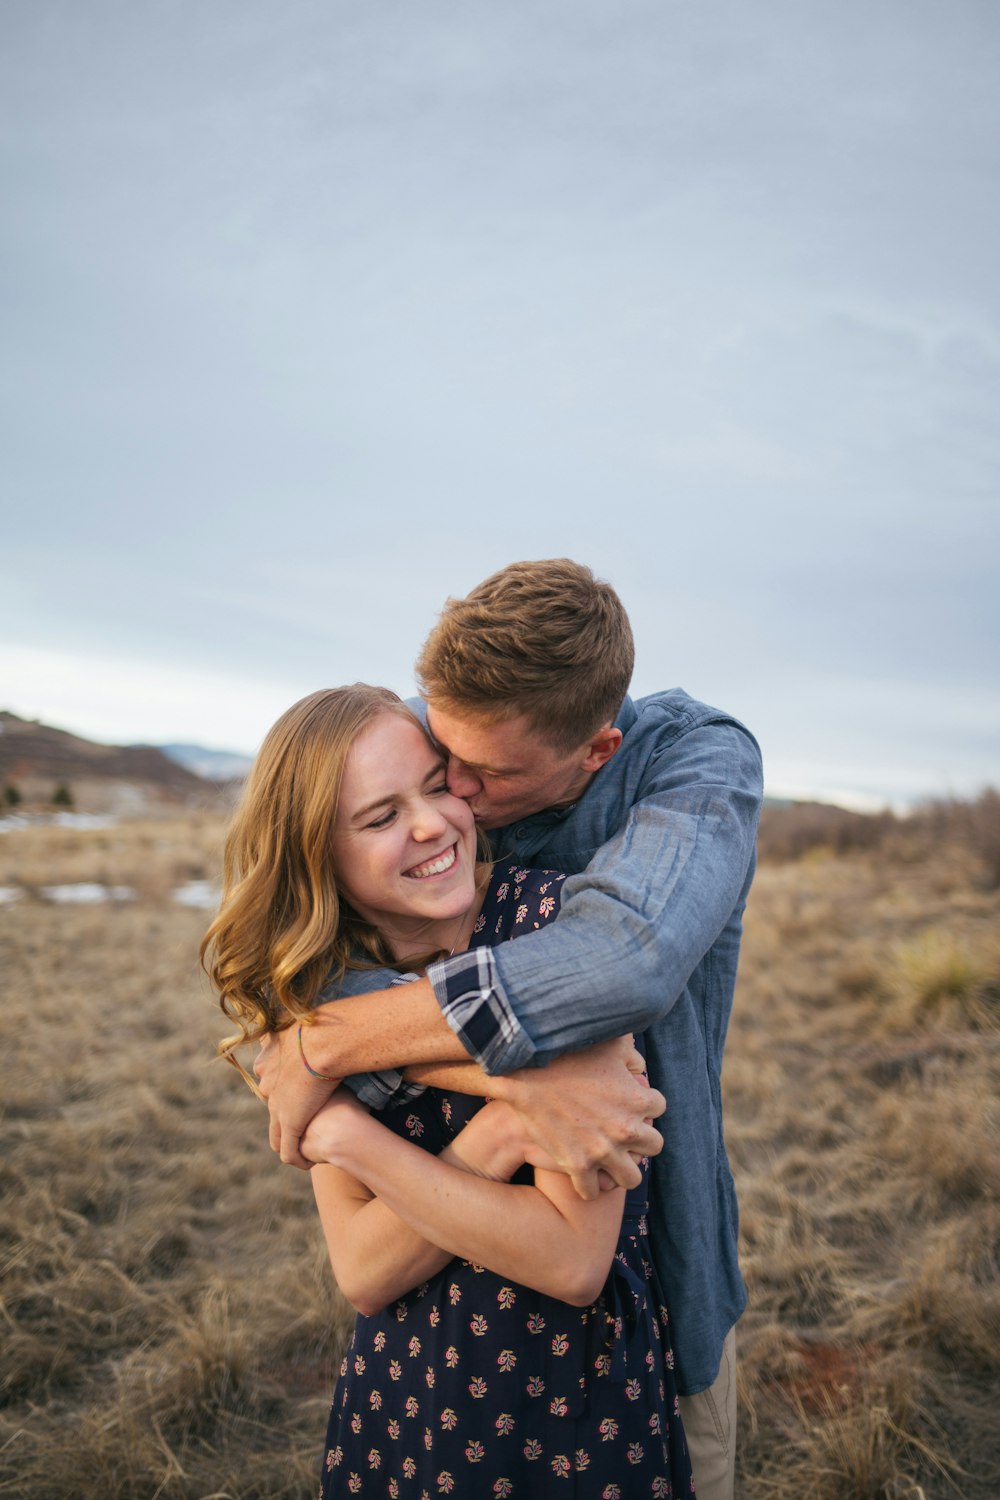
[
  {"x": 293, "y": 1095},
  {"x": 590, "y": 1112}
]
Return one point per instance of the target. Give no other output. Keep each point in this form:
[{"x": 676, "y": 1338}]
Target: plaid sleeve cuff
[
  {"x": 388, "y": 1086},
  {"x": 477, "y": 1009},
  {"x": 379, "y": 1090}
]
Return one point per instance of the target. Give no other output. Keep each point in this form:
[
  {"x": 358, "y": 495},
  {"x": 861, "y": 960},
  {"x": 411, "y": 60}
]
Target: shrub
[{"x": 790, "y": 832}]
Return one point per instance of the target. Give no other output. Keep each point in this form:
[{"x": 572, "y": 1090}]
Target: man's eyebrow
[
  {"x": 486, "y": 769},
  {"x": 473, "y": 765}
]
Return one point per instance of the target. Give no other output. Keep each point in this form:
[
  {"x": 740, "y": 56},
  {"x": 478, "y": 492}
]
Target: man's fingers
[
  {"x": 285, "y": 1144},
  {"x": 647, "y": 1141},
  {"x": 620, "y": 1166},
  {"x": 291, "y": 1155},
  {"x": 653, "y": 1105},
  {"x": 635, "y": 1062},
  {"x": 586, "y": 1183}
]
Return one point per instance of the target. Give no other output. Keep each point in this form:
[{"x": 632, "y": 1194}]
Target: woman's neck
[{"x": 451, "y": 935}]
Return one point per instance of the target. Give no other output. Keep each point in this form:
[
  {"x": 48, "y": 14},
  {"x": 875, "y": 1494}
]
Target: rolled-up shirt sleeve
[
  {"x": 633, "y": 925},
  {"x": 476, "y": 1008}
]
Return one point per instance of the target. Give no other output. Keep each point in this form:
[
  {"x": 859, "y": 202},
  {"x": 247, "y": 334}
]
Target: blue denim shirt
[{"x": 660, "y": 848}]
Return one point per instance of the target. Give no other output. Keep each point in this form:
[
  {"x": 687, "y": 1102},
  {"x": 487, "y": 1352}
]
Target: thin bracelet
[{"x": 323, "y": 1077}]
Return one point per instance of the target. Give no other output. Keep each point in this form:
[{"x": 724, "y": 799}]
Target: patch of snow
[
  {"x": 10, "y": 822},
  {"x": 87, "y": 891},
  {"x": 9, "y": 894},
  {"x": 84, "y": 820},
  {"x": 199, "y": 893}
]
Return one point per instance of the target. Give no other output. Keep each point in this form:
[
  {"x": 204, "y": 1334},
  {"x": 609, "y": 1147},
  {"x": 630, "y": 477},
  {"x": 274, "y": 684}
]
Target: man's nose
[{"x": 462, "y": 781}]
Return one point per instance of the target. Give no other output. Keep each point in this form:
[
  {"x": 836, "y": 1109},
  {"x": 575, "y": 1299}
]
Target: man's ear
[{"x": 601, "y": 747}]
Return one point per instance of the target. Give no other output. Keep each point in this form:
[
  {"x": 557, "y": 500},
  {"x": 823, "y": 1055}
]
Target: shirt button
[{"x": 520, "y": 834}]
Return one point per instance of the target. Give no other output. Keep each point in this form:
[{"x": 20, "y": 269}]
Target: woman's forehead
[{"x": 392, "y": 747}]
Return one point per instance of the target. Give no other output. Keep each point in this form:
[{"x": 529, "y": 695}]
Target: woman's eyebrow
[
  {"x": 371, "y": 807},
  {"x": 389, "y": 797}
]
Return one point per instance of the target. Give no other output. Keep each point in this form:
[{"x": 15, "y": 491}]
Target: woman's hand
[
  {"x": 335, "y": 1132},
  {"x": 495, "y": 1144}
]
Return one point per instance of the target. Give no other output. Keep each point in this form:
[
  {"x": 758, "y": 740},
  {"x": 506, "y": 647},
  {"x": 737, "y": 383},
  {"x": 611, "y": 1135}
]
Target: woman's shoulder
[{"x": 518, "y": 900}]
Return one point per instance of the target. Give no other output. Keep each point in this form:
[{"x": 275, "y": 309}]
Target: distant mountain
[
  {"x": 213, "y": 765},
  {"x": 33, "y": 754}
]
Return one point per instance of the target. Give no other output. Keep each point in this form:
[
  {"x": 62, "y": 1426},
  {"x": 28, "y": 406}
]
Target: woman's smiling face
[{"x": 404, "y": 849}]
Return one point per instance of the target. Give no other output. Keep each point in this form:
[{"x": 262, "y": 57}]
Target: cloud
[{"x": 317, "y": 317}]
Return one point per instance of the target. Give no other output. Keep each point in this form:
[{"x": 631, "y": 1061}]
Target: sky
[{"x": 314, "y": 313}]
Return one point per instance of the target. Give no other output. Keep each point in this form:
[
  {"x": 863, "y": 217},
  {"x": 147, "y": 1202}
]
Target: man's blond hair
[{"x": 544, "y": 639}]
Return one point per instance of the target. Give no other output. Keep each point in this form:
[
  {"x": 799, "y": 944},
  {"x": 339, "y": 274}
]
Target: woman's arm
[
  {"x": 376, "y": 1256},
  {"x": 393, "y": 1214},
  {"x": 455, "y": 1077}
]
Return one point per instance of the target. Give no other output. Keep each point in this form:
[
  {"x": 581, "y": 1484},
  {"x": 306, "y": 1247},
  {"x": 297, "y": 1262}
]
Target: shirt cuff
[
  {"x": 476, "y": 1007},
  {"x": 380, "y": 1090}
]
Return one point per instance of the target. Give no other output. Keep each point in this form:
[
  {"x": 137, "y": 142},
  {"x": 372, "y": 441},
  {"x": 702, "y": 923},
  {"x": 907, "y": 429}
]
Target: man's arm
[
  {"x": 588, "y": 1111},
  {"x": 356, "y": 1034},
  {"x": 634, "y": 925}
]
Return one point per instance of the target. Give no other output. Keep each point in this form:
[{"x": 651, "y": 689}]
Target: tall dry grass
[
  {"x": 168, "y": 1324},
  {"x": 169, "y": 1328},
  {"x": 862, "y": 1096}
]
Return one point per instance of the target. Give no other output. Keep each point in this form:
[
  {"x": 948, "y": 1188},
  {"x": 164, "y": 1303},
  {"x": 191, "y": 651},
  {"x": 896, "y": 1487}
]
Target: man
[{"x": 652, "y": 808}]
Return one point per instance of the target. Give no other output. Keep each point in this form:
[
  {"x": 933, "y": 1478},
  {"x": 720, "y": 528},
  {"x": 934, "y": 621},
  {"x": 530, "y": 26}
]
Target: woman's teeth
[{"x": 433, "y": 866}]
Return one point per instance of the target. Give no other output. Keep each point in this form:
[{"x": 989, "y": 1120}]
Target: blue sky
[{"x": 316, "y": 313}]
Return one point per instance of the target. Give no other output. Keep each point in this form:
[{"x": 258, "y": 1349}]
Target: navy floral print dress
[{"x": 473, "y": 1385}]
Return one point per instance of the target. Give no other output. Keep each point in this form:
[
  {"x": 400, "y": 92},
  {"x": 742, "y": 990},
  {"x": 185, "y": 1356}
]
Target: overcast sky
[{"x": 314, "y": 313}]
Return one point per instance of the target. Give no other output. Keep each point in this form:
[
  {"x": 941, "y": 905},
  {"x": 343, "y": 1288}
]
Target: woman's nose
[
  {"x": 429, "y": 821},
  {"x": 462, "y": 781}
]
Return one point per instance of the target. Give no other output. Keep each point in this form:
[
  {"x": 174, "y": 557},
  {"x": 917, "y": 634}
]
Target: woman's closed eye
[{"x": 383, "y": 820}]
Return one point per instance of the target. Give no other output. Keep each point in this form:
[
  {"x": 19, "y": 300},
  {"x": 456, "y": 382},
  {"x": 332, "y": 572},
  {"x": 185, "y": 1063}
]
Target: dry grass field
[{"x": 168, "y": 1324}]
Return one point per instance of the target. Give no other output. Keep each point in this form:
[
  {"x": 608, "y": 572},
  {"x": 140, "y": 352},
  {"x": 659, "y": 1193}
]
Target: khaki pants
[{"x": 710, "y": 1428}]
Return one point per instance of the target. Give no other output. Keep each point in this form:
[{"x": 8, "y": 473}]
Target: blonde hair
[
  {"x": 544, "y": 639},
  {"x": 282, "y": 929}
]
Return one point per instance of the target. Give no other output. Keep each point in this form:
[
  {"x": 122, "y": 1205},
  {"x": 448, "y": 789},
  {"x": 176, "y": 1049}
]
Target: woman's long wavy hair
[{"x": 282, "y": 929}]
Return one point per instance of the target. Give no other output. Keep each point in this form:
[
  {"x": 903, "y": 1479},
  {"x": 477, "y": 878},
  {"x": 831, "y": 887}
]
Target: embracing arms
[
  {"x": 393, "y": 1214},
  {"x": 586, "y": 1110},
  {"x": 668, "y": 881}
]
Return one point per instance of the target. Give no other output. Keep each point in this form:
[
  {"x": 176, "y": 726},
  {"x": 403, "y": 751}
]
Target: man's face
[{"x": 504, "y": 770}]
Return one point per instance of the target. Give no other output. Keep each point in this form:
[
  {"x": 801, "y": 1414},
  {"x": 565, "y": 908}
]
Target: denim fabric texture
[{"x": 660, "y": 849}]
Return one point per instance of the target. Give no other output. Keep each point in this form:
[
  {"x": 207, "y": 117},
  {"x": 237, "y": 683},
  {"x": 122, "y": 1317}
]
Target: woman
[{"x": 509, "y": 1334}]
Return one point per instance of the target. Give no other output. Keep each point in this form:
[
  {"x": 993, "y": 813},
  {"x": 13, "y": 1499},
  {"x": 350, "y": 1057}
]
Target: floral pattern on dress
[{"x": 474, "y": 1385}]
